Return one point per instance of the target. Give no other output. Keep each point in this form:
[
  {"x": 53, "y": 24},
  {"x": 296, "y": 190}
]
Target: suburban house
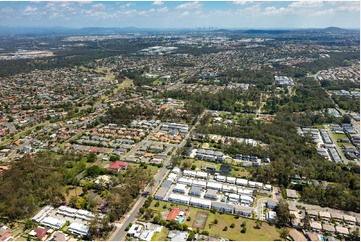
[
  {"x": 39, "y": 233},
  {"x": 211, "y": 194},
  {"x": 5, "y": 234},
  {"x": 175, "y": 213},
  {"x": 199, "y": 202},
  {"x": 161, "y": 193},
  {"x": 195, "y": 191},
  {"x": 223, "y": 207},
  {"x": 118, "y": 165}
]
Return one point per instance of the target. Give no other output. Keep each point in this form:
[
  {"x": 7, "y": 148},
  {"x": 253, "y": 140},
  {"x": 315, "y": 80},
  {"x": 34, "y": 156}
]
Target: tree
[
  {"x": 91, "y": 158},
  {"x": 284, "y": 233},
  {"x": 193, "y": 167},
  {"x": 225, "y": 228},
  {"x": 232, "y": 225},
  {"x": 283, "y": 214},
  {"x": 258, "y": 224}
]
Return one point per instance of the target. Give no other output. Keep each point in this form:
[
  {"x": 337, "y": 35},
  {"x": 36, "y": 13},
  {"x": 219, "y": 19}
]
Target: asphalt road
[{"x": 120, "y": 232}]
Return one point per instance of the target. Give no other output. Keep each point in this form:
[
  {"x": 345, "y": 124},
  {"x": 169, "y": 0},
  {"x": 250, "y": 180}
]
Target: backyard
[{"x": 266, "y": 232}]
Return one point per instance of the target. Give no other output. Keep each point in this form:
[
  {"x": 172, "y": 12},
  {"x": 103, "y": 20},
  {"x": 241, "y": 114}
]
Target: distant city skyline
[{"x": 182, "y": 14}]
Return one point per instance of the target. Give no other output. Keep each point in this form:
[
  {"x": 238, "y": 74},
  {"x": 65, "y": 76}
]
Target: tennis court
[{"x": 200, "y": 220}]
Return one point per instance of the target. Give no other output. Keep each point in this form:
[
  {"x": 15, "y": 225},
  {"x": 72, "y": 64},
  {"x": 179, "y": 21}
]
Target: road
[
  {"x": 339, "y": 151},
  {"x": 260, "y": 205},
  {"x": 120, "y": 232}
]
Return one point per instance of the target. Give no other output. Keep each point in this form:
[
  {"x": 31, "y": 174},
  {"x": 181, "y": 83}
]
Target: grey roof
[
  {"x": 226, "y": 206},
  {"x": 211, "y": 192},
  {"x": 195, "y": 190},
  {"x": 167, "y": 184},
  {"x": 239, "y": 208},
  {"x": 161, "y": 192}
]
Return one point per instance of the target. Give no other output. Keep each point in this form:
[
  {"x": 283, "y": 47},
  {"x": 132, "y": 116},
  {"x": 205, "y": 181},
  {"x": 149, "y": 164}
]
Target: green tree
[{"x": 283, "y": 214}]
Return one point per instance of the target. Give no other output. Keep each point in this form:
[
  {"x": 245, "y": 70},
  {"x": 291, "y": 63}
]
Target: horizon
[{"x": 182, "y": 14}]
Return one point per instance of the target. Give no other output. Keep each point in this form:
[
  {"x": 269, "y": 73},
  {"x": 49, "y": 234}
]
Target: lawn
[
  {"x": 266, "y": 232},
  {"x": 242, "y": 172},
  {"x": 161, "y": 236},
  {"x": 73, "y": 192},
  {"x": 339, "y": 136}
]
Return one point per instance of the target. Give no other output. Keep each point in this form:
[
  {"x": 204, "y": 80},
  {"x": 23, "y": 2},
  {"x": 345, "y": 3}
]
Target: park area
[{"x": 265, "y": 232}]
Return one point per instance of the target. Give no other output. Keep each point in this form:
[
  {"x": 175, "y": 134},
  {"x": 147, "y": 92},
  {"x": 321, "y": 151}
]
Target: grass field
[
  {"x": 161, "y": 236},
  {"x": 242, "y": 172},
  {"x": 267, "y": 232}
]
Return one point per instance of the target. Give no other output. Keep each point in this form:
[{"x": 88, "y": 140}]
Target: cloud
[
  {"x": 186, "y": 13},
  {"x": 326, "y": 12},
  {"x": 99, "y": 6},
  {"x": 29, "y": 10},
  {"x": 157, "y": 3},
  {"x": 189, "y": 5},
  {"x": 306, "y": 4},
  {"x": 127, "y": 5},
  {"x": 6, "y": 10},
  {"x": 240, "y": 2},
  {"x": 349, "y": 7}
]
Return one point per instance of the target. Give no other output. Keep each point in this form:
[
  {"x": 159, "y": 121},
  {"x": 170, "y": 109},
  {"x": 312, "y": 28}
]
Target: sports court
[{"x": 200, "y": 220}]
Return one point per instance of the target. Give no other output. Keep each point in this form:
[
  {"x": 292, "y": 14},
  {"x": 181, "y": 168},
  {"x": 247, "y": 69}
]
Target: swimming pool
[{"x": 180, "y": 220}]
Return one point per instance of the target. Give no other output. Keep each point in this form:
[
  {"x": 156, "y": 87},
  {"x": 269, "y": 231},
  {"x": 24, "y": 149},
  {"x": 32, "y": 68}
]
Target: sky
[{"x": 181, "y": 14}]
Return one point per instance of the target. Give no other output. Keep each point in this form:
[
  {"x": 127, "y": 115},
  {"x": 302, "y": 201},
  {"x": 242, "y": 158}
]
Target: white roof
[
  {"x": 180, "y": 186},
  {"x": 147, "y": 235},
  {"x": 219, "y": 177},
  {"x": 67, "y": 209},
  {"x": 242, "y": 181},
  {"x": 247, "y": 198},
  {"x": 268, "y": 186},
  {"x": 172, "y": 176},
  {"x": 185, "y": 180},
  {"x": 229, "y": 187},
  {"x": 259, "y": 184},
  {"x": 214, "y": 185},
  {"x": 53, "y": 222},
  {"x": 176, "y": 170},
  {"x": 201, "y": 201},
  {"x": 85, "y": 213},
  {"x": 175, "y": 196},
  {"x": 245, "y": 191},
  {"x": 229, "y": 178},
  {"x": 201, "y": 174},
  {"x": 78, "y": 228},
  {"x": 189, "y": 173},
  {"x": 199, "y": 183},
  {"x": 234, "y": 196},
  {"x": 252, "y": 183}
]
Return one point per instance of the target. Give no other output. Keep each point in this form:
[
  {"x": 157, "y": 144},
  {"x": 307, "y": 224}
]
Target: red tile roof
[
  {"x": 172, "y": 214},
  {"x": 117, "y": 165},
  {"x": 40, "y": 232}
]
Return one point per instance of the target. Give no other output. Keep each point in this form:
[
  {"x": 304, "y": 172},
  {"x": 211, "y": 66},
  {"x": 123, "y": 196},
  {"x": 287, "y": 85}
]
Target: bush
[
  {"x": 244, "y": 224},
  {"x": 215, "y": 221},
  {"x": 205, "y": 232},
  {"x": 128, "y": 227},
  {"x": 244, "y": 230},
  {"x": 189, "y": 218},
  {"x": 156, "y": 204},
  {"x": 164, "y": 206},
  {"x": 225, "y": 228},
  {"x": 232, "y": 225}
]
